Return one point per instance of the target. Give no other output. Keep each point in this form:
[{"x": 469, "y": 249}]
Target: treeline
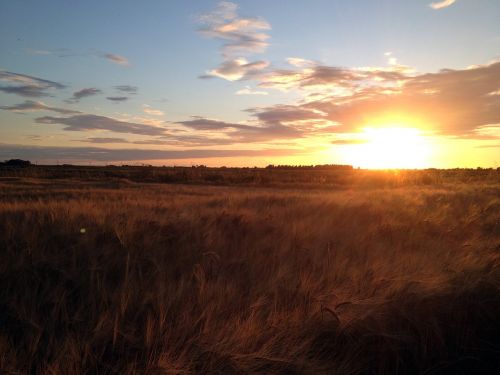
[
  {"x": 320, "y": 166},
  {"x": 15, "y": 163},
  {"x": 321, "y": 176}
]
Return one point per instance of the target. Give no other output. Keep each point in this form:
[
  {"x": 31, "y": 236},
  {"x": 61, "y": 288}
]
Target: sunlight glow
[{"x": 390, "y": 148}]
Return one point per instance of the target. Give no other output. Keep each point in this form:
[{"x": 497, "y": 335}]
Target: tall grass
[{"x": 126, "y": 278}]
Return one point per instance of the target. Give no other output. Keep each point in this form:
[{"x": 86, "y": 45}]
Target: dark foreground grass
[{"x": 121, "y": 278}]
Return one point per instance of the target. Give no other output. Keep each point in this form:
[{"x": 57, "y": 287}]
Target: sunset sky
[{"x": 376, "y": 84}]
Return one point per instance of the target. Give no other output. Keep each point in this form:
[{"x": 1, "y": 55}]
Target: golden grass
[{"x": 125, "y": 278}]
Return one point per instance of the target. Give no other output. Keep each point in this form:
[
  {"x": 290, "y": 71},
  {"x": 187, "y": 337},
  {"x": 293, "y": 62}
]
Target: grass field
[{"x": 380, "y": 273}]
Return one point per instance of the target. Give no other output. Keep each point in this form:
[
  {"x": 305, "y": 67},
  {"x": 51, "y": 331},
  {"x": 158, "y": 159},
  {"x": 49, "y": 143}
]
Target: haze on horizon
[{"x": 376, "y": 84}]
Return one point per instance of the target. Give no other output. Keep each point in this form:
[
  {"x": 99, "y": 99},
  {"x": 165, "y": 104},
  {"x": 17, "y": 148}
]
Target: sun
[{"x": 394, "y": 147}]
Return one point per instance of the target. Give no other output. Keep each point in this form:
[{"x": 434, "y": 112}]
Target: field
[{"x": 199, "y": 270}]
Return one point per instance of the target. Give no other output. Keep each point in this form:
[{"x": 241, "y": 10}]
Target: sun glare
[{"x": 390, "y": 148}]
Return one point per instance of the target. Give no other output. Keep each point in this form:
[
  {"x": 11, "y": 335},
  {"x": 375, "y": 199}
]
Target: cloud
[
  {"x": 240, "y": 35},
  {"x": 391, "y": 59},
  {"x": 28, "y": 80},
  {"x": 201, "y": 123},
  {"x": 247, "y": 90},
  {"x": 299, "y": 62},
  {"x": 97, "y": 154},
  {"x": 34, "y": 106},
  {"x": 190, "y": 140},
  {"x": 87, "y": 122},
  {"x": 108, "y": 140},
  {"x": 27, "y": 91},
  {"x": 281, "y": 114},
  {"x": 237, "y": 69},
  {"x": 225, "y": 10},
  {"x": 167, "y": 140},
  {"x": 460, "y": 103},
  {"x": 66, "y": 52},
  {"x": 316, "y": 77},
  {"x": 103, "y": 140},
  {"x": 449, "y": 102},
  {"x": 151, "y": 111},
  {"x": 116, "y": 59},
  {"x": 117, "y": 99},
  {"x": 141, "y": 119},
  {"x": 62, "y": 52},
  {"x": 127, "y": 89},
  {"x": 83, "y": 93},
  {"x": 27, "y": 86},
  {"x": 452, "y": 101},
  {"x": 269, "y": 124},
  {"x": 442, "y": 4},
  {"x": 244, "y": 133}
]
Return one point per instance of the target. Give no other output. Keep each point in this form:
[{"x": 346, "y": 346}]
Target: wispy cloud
[
  {"x": 167, "y": 140},
  {"x": 117, "y": 99},
  {"x": 300, "y": 62},
  {"x": 36, "y": 106},
  {"x": 62, "y": 52},
  {"x": 247, "y": 90},
  {"x": 238, "y": 133},
  {"x": 441, "y": 4},
  {"x": 316, "y": 77},
  {"x": 240, "y": 36},
  {"x": 151, "y": 111},
  {"x": 201, "y": 123},
  {"x": 67, "y": 52},
  {"x": 27, "y": 86},
  {"x": 237, "y": 69},
  {"x": 84, "y": 154},
  {"x": 83, "y": 93},
  {"x": 116, "y": 59},
  {"x": 391, "y": 59},
  {"x": 88, "y": 122},
  {"x": 127, "y": 89},
  {"x": 103, "y": 140},
  {"x": 283, "y": 114}
]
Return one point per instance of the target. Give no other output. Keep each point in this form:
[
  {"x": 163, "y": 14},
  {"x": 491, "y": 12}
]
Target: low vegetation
[
  {"x": 320, "y": 176},
  {"x": 337, "y": 271}
]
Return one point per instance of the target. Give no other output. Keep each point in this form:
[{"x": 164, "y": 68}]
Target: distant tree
[{"x": 17, "y": 163}]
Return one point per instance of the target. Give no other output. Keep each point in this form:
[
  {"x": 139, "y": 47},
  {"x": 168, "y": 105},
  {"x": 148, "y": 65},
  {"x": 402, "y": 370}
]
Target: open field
[{"x": 345, "y": 272}]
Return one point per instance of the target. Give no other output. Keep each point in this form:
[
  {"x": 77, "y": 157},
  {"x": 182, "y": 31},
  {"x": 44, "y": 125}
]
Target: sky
[{"x": 374, "y": 84}]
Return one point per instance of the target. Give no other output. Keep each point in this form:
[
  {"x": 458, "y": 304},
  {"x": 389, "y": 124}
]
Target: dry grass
[{"x": 204, "y": 279}]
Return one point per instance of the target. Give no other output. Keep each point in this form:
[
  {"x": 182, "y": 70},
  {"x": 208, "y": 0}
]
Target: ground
[{"x": 360, "y": 273}]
